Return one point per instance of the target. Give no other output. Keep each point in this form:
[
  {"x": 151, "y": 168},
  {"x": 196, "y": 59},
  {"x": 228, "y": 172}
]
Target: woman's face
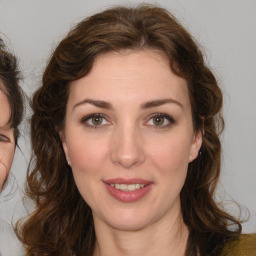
[
  {"x": 7, "y": 141},
  {"x": 129, "y": 138}
]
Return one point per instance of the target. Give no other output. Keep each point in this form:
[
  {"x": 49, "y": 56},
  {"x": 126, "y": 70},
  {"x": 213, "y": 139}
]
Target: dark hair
[
  {"x": 62, "y": 222},
  {"x": 10, "y": 76}
]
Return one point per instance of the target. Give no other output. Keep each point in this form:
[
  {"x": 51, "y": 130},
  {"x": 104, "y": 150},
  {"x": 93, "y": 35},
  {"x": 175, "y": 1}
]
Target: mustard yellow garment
[{"x": 244, "y": 246}]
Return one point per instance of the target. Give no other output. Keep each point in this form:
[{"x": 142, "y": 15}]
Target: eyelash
[
  {"x": 169, "y": 119},
  {"x": 3, "y": 138},
  {"x": 86, "y": 119}
]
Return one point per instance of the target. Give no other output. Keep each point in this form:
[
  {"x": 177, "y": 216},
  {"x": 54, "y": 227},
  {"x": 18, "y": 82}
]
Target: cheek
[
  {"x": 170, "y": 156},
  {"x": 6, "y": 158},
  {"x": 86, "y": 154},
  {"x": 88, "y": 158}
]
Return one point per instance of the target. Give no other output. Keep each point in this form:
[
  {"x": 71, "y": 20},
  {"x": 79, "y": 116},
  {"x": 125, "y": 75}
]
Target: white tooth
[
  {"x": 123, "y": 187},
  {"x": 137, "y": 186},
  {"x": 131, "y": 187}
]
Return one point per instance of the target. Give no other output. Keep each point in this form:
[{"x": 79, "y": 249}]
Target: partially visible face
[
  {"x": 129, "y": 138},
  {"x": 7, "y": 141}
]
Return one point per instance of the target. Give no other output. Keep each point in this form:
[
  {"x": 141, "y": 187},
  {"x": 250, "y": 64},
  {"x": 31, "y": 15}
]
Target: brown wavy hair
[
  {"x": 10, "y": 77},
  {"x": 62, "y": 222}
]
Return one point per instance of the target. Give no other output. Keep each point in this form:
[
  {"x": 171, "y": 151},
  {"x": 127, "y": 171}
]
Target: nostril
[{"x": 127, "y": 149}]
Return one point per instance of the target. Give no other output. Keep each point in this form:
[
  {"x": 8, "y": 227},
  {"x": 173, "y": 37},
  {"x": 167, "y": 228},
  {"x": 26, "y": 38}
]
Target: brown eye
[
  {"x": 3, "y": 138},
  {"x": 158, "y": 120},
  {"x": 97, "y": 120}
]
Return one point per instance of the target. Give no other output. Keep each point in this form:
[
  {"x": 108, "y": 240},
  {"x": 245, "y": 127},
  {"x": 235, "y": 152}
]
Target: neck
[{"x": 168, "y": 236}]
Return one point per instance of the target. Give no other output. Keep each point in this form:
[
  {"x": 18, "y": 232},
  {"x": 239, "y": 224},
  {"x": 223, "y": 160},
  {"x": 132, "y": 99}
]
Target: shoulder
[{"x": 245, "y": 245}]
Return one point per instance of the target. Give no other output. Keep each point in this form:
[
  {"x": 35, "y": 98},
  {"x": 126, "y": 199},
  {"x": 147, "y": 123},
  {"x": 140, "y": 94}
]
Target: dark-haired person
[
  {"x": 11, "y": 111},
  {"x": 125, "y": 133}
]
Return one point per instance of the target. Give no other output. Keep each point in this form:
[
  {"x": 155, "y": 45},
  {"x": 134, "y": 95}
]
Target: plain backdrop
[{"x": 226, "y": 31}]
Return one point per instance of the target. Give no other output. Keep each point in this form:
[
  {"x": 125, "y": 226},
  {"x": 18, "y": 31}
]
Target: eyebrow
[
  {"x": 5, "y": 127},
  {"x": 146, "y": 105},
  {"x": 157, "y": 103},
  {"x": 97, "y": 103}
]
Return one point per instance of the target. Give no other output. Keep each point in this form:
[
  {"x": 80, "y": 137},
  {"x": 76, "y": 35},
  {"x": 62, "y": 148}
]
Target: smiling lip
[{"x": 128, "y": 196}]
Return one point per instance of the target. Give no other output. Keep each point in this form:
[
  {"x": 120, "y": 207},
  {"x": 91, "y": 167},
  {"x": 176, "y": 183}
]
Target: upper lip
[{"x": 127, "y": 181}]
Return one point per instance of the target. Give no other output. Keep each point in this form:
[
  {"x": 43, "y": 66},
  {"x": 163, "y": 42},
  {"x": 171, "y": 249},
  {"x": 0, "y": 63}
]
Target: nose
[{"x": 127, "y": 148}]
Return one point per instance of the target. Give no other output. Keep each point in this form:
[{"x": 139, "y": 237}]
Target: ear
[
  {"x": 64, "y": 145},
  {"x": 195, "y": 146}
]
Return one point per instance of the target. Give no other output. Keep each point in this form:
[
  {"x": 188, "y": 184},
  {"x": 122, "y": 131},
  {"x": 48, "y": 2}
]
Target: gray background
[{"x": 227, "y": 31}]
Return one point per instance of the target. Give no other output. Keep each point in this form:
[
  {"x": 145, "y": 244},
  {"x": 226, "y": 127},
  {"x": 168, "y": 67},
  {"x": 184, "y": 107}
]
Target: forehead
[
  {"x": 5, "y": 110},
  {"x": 136, "y": 75}
]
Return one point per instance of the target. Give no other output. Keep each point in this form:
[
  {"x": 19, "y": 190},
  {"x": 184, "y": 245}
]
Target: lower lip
[{"x": 128, "y": 196}]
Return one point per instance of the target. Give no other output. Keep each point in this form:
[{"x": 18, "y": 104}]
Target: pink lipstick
[{"x": 128, "y": 190}]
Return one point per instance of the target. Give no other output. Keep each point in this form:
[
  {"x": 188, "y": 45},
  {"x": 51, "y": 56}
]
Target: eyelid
[
  {"x": 88, "y": 117},
  {"x": 170, "y": 119},
  {"x": 3, "y": 138}
]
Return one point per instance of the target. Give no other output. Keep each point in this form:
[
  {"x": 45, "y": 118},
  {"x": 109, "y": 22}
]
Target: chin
[
  {"x": 128, "y": 220},
  {"x": 129, "y": 225}
]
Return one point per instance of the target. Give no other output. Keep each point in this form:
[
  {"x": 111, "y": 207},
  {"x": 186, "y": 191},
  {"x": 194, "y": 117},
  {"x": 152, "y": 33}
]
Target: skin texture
[
  {"x": 129, "y": 143},
  {"x": 7, "y": 141}
]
